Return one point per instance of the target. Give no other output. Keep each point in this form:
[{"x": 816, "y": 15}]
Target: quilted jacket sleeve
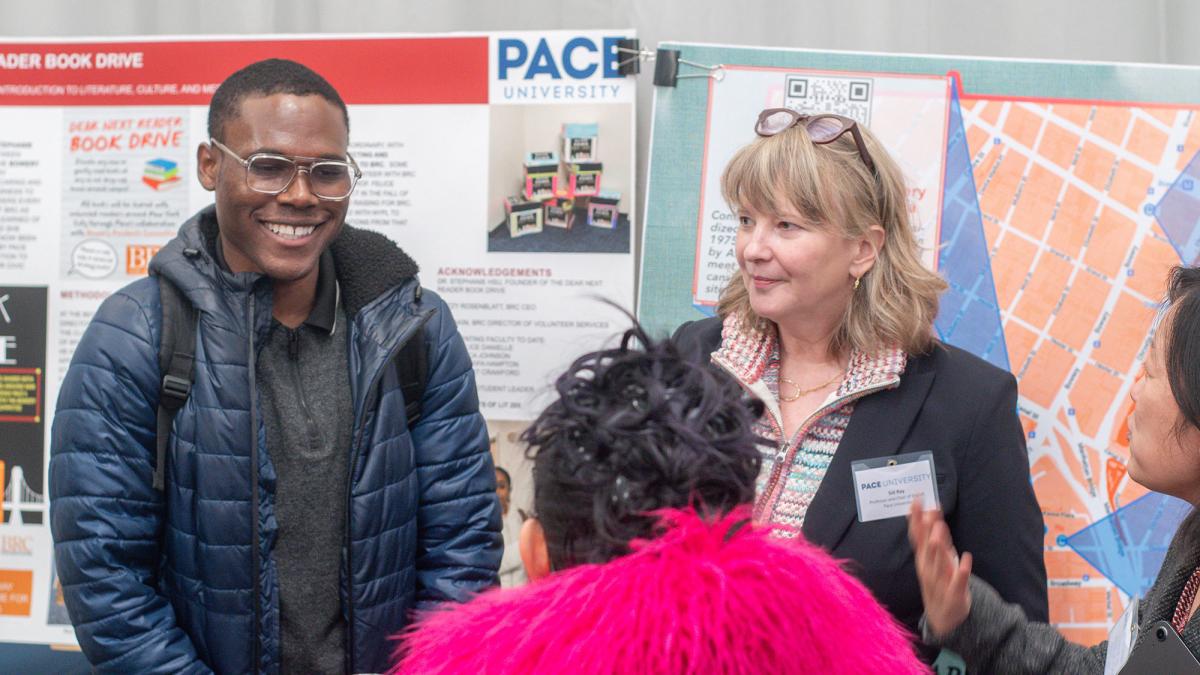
[
  {"x": 459, "y": 543},
  {"x": 105, "y": 515}
]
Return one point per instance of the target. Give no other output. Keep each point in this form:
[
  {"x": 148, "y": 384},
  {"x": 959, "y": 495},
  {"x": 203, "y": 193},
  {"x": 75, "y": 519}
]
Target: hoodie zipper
[
  {"x": 372, "y": 393},
  {"x": 254, "y": 552},
  {"x": 312, "y": 435}
]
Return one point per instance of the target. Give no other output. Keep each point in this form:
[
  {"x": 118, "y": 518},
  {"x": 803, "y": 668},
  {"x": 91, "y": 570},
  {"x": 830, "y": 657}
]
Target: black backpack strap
[
  {"x": 176, "y": 358},
  {"x": 412, "y": 369}
]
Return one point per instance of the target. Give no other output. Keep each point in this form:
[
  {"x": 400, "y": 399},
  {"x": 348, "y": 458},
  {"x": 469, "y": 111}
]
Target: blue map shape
[
  {"x": 969, "y": 316},
  {"x": 1128, "y": 545},
  {"x": 1179, "y": 212}
]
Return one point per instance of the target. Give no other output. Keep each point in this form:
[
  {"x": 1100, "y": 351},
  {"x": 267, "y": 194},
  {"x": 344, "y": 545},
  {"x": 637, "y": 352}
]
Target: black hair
[
  {"x": 506, "y": 476},
  {"x": 1182, "y": 349},
  {"x": 635, "y": 430},
  {"x": 265, "y": 78}
]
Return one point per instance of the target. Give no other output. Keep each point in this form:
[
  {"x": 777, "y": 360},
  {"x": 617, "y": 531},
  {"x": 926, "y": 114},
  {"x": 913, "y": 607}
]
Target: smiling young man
[{"x": 300, "y": 519}]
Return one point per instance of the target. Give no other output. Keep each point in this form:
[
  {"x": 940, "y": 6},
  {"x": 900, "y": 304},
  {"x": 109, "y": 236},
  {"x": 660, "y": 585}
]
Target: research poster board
[
  {"x": 98, "y": 142},
  {"x": 1052, "y": 196}
]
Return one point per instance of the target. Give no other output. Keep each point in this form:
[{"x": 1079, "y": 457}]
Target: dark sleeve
[
  {"x": 105, "y": 515},
  {"x": 458, "y": 539},
  {"x": 997, "y": 517},
  {"x": 997, "y": 638},
  {"x": 682, "y": 330},
  {"x": 697, "y": 340}
]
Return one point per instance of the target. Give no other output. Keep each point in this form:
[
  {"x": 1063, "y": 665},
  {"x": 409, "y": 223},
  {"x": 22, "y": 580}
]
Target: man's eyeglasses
[
  {"x": 271, "y": 174},
  {"x": 822, "y": 129}
]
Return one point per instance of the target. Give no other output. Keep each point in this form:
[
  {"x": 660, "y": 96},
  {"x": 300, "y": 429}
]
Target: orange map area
[{"x": 1079, "y": 261}]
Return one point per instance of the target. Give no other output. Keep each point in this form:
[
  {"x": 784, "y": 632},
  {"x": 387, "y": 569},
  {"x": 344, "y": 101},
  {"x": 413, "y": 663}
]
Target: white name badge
[{"x": 885, "y": 487}]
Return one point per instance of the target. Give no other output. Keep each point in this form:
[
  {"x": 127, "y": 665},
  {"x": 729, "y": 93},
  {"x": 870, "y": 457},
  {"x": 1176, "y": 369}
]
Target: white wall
[{"x": 505, "y": 153}]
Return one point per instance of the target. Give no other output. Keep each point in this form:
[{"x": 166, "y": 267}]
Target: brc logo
[
  {"x": 579, "y": 58},
  {"x": 137, "y": 258}
]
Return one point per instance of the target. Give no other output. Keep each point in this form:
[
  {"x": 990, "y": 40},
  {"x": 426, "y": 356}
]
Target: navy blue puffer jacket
[{"x": 182, "y": 580}]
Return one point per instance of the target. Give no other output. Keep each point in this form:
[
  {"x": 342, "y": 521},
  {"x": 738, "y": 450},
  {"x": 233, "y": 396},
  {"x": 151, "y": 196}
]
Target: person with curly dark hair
[{"x": 641, "y": 553}]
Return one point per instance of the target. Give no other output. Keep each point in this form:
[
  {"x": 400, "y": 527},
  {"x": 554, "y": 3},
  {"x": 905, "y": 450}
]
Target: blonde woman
[{"x": 829, "y": 320}]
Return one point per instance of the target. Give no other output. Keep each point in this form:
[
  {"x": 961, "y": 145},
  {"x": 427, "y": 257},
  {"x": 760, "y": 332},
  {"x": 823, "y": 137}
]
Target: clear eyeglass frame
[{"x": 265, "y": 181}]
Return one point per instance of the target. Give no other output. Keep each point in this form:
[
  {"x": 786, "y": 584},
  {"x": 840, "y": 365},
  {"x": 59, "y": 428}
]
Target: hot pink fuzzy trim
[{"x": 689, "y": 601}]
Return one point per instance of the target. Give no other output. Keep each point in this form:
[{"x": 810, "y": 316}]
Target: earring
[{"x": 857, "y": 281}]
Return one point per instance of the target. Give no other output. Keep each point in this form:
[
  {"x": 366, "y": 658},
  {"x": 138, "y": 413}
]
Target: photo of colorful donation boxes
[
  {"x": 556, "y": 195},
  {"x": 584, "y": 178},
  {"x": 602, "y": 209},
  {"x": 579, "y": 142},
  {"x": 541, "y": 175},
  {"x": 560, "y": 211},
  {"x": 524, "y": 216}
]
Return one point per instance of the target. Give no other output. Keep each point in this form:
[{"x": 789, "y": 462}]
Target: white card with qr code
[{"x": 813, "y": 94}]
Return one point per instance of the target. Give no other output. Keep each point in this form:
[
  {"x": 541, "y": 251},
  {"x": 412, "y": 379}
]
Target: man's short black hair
[{"x": 264, "y": 78}]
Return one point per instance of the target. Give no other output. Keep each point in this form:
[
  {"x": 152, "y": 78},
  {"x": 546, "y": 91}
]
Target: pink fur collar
[{"x": 689, "y": 601}]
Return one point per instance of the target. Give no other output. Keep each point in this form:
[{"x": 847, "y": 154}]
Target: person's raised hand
[{"x": 943, "y": 575}]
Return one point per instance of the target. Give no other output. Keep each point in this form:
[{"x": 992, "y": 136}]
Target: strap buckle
[{"x": 175, "y": 389}]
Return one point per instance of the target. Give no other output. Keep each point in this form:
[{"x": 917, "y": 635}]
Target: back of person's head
[
  {"x": 637, "y": 438},
  {"x": 266, "y": 78},
  {"x": 637, "y": 428}
]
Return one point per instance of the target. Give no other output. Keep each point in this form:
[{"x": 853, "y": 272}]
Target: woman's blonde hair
[{"x": 829, "y": 184}]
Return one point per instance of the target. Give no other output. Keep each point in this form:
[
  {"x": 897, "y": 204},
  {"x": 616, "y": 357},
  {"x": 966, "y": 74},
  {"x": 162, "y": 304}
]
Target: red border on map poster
[{"x": 441, "y": 70}]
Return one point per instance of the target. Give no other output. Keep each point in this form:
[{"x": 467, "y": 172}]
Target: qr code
[{"x": 849, "y": 96}]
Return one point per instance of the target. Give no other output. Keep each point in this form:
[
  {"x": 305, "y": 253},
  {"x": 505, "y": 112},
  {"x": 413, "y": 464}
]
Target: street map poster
[
  {"x": 1053, "y": 197},
  {"x": 502, "y": 163}
]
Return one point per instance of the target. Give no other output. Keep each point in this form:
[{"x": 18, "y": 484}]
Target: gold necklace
[{"x": 801, "y": 392}]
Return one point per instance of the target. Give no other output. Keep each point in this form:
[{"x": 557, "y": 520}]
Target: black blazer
[{"x": 964, "y": 411}]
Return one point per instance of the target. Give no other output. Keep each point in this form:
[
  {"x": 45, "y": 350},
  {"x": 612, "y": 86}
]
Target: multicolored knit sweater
[{"x": 793, "y": 468}]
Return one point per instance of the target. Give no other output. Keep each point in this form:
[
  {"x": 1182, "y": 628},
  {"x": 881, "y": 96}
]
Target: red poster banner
[{"x": 363, "y": 70}]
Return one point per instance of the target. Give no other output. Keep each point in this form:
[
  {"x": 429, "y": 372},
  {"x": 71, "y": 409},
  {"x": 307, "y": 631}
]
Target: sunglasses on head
[{"x": 822, "y": 129}]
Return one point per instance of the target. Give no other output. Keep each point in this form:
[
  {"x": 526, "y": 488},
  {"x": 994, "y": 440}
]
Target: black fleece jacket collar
[{"x": 367, "y": 262}]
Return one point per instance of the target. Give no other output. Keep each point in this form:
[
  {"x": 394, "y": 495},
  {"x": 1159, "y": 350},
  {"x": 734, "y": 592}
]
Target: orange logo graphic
[
  {"x": 137, "y": 258},
  {"x": 16, "y": 589}
]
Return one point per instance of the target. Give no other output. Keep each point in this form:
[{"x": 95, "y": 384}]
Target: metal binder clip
[
  {"x": 666, "y": 64},
  {"x": 666, "y": 69},
  {"x": 632, "y": 65}
]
